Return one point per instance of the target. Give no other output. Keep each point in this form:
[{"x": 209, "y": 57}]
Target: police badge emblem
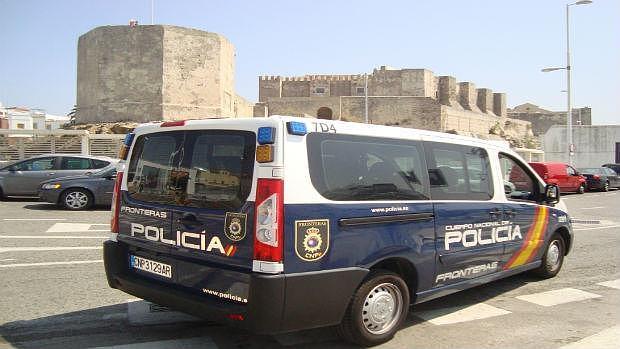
[
  {"x": 235, "y": 226},
  {"x": 311, "y": 239}
]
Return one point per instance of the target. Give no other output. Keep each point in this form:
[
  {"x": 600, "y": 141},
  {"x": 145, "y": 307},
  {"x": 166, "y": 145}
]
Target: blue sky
[{"x": 497, "y": 44}]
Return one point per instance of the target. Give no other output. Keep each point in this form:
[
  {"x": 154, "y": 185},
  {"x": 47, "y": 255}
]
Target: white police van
[{"x": 280, "y": 224}]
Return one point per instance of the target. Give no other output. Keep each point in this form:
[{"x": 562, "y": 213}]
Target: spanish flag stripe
[
  {"x": 541, "y": 239},
  {"x": 532, "y": 242},
  {"x": 527, "y": 238}
]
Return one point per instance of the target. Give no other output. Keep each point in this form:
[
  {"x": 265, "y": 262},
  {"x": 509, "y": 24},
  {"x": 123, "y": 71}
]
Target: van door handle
[{"x": 495, "y": 212}]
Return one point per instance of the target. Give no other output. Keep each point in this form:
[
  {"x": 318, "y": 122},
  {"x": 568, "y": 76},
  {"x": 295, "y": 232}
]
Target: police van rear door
[{"x": 201, "y": 179}]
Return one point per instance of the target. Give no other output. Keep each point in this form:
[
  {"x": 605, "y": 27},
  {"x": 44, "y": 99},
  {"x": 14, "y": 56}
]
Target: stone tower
[{"x": 153, "y": 73}]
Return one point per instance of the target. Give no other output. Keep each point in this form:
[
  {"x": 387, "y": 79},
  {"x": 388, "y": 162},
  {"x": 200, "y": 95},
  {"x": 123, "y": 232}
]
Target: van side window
[
  {"x": 519, "y": 183},
  {"x": 353, "y": 168},
  {"x": 458, "y": 172}
]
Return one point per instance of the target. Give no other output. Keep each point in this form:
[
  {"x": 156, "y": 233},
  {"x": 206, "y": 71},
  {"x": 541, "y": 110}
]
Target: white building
[
  {"x": 19, "y": 118},
  {"x": 594, "y": 145}
]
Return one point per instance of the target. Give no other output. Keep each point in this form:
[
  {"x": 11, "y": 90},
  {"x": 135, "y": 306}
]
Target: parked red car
[{"x": 561, "y": 174}]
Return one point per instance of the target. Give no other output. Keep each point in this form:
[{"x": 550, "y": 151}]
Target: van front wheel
[
  {"x": 377, "y": 309},
  {"x": 552, "y": 259}
]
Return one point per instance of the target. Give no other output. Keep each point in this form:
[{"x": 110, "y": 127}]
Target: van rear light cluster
[
  {"x": 269, "y": 224},
  {"x": 116, "y": 202}
]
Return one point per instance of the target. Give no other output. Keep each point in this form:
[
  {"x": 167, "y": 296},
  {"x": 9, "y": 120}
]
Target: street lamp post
[{"x": 569, "y": 109}]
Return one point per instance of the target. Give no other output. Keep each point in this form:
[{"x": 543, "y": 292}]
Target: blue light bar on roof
[
  {"x": 296, "y": 128},
  {"x": 266, "y": 135},
  {"x": 129, "y": 138}
]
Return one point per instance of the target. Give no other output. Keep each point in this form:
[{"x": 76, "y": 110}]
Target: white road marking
[
  {"x": 590, "y": 208},
  {"x": 34, "y": 219},
  {"x": 74, "y": 228},
  {"x": 612, "y": 284},
  {"x": 595, "y": 228},
  {"x": 187, "y": 343},
  {"x": 44, "y": 264},
  {"x": 50, "y": 237},
  {"x": 7, "y": 259},
  {"x": 555, "y": 297},
  {"x": 31, "y": 249},
  {"x": 455, "y": 315},
  {"x": 606, "y": 339}
]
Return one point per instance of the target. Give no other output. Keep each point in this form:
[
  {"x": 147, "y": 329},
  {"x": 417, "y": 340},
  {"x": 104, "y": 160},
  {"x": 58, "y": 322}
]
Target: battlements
[
  {"x": 386, "y": 81},
  {"x": 312, "y": 78}
]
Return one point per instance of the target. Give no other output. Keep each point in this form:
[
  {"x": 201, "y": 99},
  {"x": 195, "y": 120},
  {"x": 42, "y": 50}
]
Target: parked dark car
[
  {"x": 23, "y": 178},
  {"x": 600, "y": 178},
  {"x": 80, "y": 192},
  {"x": 615, "y": 167}
]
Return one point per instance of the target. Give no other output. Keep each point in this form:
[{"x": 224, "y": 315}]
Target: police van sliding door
[{"x": 467, "y": 221}]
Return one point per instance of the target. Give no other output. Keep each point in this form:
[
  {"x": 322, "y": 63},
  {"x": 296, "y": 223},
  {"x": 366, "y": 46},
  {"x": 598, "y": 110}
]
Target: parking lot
[{"x": 54, "y": 294}]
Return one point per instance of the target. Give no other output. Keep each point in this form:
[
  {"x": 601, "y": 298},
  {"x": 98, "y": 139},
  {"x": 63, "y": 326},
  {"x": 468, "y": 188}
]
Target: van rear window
[
  {"x": 207, "y": 169},
  {"x": 355, "y": 168}
]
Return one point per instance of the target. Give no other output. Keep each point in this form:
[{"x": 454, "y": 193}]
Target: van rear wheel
[{"x": 377, "y": 309}]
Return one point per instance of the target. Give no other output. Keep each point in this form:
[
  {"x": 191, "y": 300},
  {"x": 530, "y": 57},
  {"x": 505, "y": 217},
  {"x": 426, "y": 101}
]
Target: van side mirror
[{"x": 552, "y": 194}]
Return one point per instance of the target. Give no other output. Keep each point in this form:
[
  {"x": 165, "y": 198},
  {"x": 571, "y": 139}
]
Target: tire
[
  {"x": 605, "y": 186},
  {"x": 552, "y": 258},
  {"x": 581, "y": 189},
  {"x": 377, "y": 309},
  {"x": 76, "y": 199},
  {"x": 2, "y": 195}
]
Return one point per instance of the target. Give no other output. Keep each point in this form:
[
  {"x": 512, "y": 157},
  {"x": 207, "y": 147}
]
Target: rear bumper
[{"x": 276, "y": 303}]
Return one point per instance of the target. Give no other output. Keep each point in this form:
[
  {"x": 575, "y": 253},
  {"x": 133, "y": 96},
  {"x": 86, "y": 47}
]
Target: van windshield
[{"x": 207, "y": 169}]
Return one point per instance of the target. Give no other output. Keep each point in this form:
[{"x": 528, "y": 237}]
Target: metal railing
[{"x": 22, "y": 144}]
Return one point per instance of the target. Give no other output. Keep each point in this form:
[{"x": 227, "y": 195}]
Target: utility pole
[{"x": 365, "y": 98}]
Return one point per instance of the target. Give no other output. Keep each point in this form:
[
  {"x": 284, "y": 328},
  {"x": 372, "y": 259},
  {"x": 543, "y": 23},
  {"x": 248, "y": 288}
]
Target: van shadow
[
  {"x": 54, "y": 207},
  {"x": 109, "y": 326}
]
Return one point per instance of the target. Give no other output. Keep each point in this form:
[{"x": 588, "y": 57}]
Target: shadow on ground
[
  {"x": 108, "y": 326},
  {"x": 53, "y": 207}
]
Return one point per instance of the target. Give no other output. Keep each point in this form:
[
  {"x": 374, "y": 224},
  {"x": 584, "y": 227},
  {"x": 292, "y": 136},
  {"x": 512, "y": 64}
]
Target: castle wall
[
  {"x": 543, "y": 121},
  {"x": 198, "y": 70},
  {"x": 119, "y": 73},
  {"x": 155, "y": 72}
]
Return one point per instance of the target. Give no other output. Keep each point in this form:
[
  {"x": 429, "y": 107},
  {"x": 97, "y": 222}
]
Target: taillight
[
  {"x": 269, "y": 221},
  {"x": 116, "y": 202},
  {"x": 597, "y": 177}
]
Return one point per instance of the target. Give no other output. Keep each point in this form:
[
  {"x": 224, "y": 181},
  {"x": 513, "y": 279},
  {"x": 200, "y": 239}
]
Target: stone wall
[
  {"x": 119, "y": 74},
  {"x": 155, "y": 72},
  {"x": 542, "y": 120},
  {"x": 197, "y": 75}
]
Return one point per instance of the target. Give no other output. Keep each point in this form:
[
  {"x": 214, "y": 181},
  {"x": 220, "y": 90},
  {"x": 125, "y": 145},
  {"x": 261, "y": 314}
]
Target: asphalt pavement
[{"x": 54, "y": 294}]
